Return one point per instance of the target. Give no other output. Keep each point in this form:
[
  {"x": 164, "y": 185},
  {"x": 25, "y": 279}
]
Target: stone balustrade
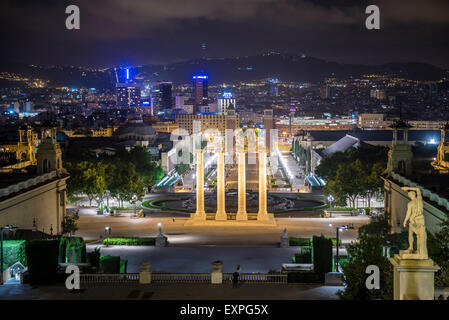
[
  {"x": 425, "y": 192},
  {"x": 27, "y": 184}
]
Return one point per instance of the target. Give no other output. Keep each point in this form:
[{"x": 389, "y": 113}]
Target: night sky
[{"x": 164, "y": 31}]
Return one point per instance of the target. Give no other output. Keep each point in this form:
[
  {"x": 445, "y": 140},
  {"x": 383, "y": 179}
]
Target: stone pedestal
[
  {"x": 285, "y": 241},
  {"x": 221, "y": 211},
  {"x": 145, "y": 273},
  {"x": 161, "y": 241},
  {"x": 216, "y": 275},
  {"x": 241, "y": 211},
  {"x": 200, "y": 214},
  {"x": 413, "y": 278}
]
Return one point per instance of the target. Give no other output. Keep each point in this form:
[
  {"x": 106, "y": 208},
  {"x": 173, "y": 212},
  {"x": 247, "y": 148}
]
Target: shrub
[
  {"x": 300, "y": 241},
  {"x": 42, "y": 258},
  {"x": 305, "y": 256},
  {"x": 13, "y": 251},
  {"x": 110, "y": 264},
  {"x": 130, "y": 241},
  {"x": 123, "y": 265},
  {"x": 93, "y": 258},
  {"x": 72, "y": 249}
]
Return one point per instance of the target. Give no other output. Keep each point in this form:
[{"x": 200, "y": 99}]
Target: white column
[
  {"x": 262, "y": 214},
  {"x": 241, "y": 212},
  {"x": 221, "y": 210},
  {"x": 200, "y": 213}
]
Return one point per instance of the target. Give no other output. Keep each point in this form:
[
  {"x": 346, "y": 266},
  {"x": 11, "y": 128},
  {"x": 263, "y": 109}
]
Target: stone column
[
  {"x": 200, "y": 214},
  {"x": 262, "y": 214},
  {"x": 221, "y": 210},
  {"x": 241, "y": 212}
]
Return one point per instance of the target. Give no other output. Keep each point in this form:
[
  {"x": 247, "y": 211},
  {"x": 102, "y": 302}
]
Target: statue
[{"x": 417, "y": 226}]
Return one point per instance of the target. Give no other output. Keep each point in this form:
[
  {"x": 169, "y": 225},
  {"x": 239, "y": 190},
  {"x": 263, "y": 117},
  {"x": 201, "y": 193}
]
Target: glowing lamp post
[
  {"x": 135, "y": 202},
  {"x": 340, "y": 229}
]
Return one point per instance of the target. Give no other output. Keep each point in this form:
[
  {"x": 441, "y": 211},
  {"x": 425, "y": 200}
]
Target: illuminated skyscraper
[
  {"x": 128, "y": 95},
  {"x": 200, "y": 95},
  {"x": 225, "y": 101}
]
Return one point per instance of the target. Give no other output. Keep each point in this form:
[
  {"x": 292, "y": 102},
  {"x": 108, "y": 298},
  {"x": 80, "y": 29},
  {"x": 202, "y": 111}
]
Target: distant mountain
[{"x": 287, "y": 67}]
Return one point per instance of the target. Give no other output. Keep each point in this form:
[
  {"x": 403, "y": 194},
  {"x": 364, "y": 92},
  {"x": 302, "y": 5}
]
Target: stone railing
[
  {"x": 180, "y": 277},
  {"x": 27, "y": 183},
  {"x": 257, "y": 278},
  {"x": 133, "y": 278},
  {"x": 109, "y": 278},
  {"x": 426, "y": 193}
]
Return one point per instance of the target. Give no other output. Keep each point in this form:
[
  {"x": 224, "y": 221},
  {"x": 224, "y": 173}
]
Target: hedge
[
  {"x": 93, "y": 258},
  {"x": 72, "y": 250},
  {"x": 130, "y": 241},
  {"x": 300, "y": 241},
  {"x": 110, "y": 264},
  {"x": 13, "y": 251},
  {"x": 123, "y": 265},
  {"x": 42, "y": 258},
  {"x": 322, "y": 255},
  {"x": 305, "y": 256}
]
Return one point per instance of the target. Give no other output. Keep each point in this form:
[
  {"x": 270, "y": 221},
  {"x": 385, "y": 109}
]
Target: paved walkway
[{"x": 173, "y": 292}]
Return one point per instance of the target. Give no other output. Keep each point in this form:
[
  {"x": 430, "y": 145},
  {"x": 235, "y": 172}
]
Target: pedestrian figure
[
  {"x": 235, "y": 277},
  {"x": 173, "y": 219}
]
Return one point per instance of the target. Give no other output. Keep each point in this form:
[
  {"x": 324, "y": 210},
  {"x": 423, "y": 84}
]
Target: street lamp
[
  {"x": 330, "y": 199},
  {"x": 7, "y": 227},
  {"x": 108, "y": 193},
  {"x": 159, "y": 225},
  {"x": 340, "y": 229},
  {"x": 134, "y": 201}
]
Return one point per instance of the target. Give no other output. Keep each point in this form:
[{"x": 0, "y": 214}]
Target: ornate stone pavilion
[{"x": 221, "y": 217}]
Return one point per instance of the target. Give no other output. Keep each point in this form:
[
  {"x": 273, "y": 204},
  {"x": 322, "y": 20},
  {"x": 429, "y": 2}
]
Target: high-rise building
[
  {"x": 128, "y": 94},
  {"x": 225, "y": 101},
  {"x": 200, "y": 94},
  {"x": 166, "y": 95},
  {"x": 161, "y": 97},
  {"x": 378, "y": 94},
  {"x": 325, "y": 92}
]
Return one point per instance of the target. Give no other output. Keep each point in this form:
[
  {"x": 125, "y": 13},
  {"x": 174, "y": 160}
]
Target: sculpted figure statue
[{"x": 417, "y": 226}]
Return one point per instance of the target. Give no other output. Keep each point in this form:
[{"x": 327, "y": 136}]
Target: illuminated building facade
[{"x": 200, "y": 94}]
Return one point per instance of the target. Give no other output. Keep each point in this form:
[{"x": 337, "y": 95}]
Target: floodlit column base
[
  {"x": 413, "y": 278},
  {"x": 270, "y": 222},
  {"x": 221, "y": 216}
]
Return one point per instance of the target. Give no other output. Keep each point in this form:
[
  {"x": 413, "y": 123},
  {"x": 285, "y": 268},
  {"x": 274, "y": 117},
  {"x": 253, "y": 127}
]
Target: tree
[
  {"x": 69, "y": 224},
  {"x": 87, "y": 177},
  {"x": 373, "y": 184},
  {"x": 348, "y": 182}
]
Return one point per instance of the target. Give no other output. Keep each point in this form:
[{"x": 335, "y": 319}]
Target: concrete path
[{"x": 172, "y": 292}]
